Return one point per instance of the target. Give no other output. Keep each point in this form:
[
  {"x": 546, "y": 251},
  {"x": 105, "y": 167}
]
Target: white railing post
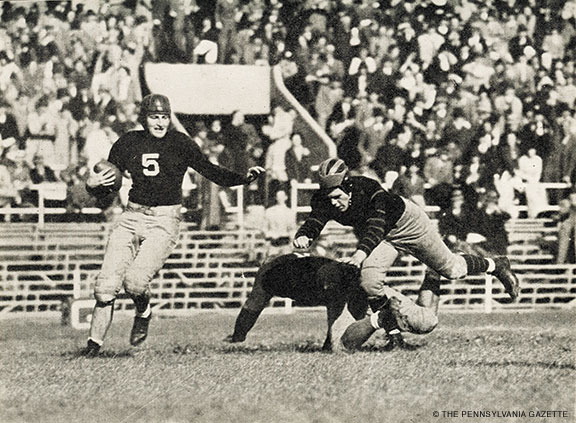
[
  {"x": 41, "y": 208},
  {"x": 294, "y": 196},
  {"x": 240, "y": 205},
  {"x": 488, "y": 294}
]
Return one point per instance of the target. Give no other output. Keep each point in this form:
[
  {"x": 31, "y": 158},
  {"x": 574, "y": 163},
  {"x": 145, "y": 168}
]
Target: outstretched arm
[{"x": 220, "y": 175}]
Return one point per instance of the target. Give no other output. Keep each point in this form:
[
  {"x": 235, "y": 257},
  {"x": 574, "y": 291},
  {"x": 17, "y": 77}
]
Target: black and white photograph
[{"x": 288, "y": 211}]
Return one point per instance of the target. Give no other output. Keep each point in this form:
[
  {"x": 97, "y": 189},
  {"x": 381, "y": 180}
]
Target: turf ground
[{"x": 506, "y": 363}]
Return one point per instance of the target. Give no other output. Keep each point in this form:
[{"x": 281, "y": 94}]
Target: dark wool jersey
[
  {"x": 306, "y": 279},
  {"x": 372, "y": 213},
  {"x": 158, "y": 165}
]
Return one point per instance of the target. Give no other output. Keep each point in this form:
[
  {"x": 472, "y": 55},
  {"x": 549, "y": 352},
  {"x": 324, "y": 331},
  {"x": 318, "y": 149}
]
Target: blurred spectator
[
  {"x": 439, "y": 169},
  {"x": 98, "y": 143},
  {"x": 279, "y": 225},
  {"x": 520, "y": 44},
  {"x": 530, "y": 170},
  {"x": 456, "y": 223},
  {"x": 491, "y": 224},
  {"x": 206, "y": 50},
  {"x": 298, "y": 160},
  {"x": 375, "y": 134},
  {"x": 9, "y": 195},
  {"x": 459, "y": 131},
  {"x": 567, "y": 230},
  {"x": 410, "y": 184},
  {"x": 8, "y": 125},
  {"x": 275, "y": 165},
  {"x": 226, "y": 15},
  {"x": 510, "y": 106},
  {"x": 40, "y": 172},
  {"x": 568, "y": 151},
  {"x": 280, "y": 124},
  {"x": 15, "y": 162},
  {"x": 329, "y": 93}
]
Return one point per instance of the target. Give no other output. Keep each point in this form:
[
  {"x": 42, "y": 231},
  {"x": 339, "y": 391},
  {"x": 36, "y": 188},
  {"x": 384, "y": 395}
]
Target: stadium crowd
[{"x": 428, "y": 93}]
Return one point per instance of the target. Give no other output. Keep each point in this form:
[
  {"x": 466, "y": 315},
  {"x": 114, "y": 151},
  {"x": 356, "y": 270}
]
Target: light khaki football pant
[{"x": 138, "y": 246}]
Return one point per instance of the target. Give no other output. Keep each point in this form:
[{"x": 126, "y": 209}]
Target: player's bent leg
[
  {"x": 161, "y": 239},
  {"x": 101, "y": 320},
  {"x": 334, "y": 308},
  {"x": 255, "y": 303},
  {"x": 373, "y": 273},
  {"x": 357, "y": 303},
  {"x": 429, "y": 294}
]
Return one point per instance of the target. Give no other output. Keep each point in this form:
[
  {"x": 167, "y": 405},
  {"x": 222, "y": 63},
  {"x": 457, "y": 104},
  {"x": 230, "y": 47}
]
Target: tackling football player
[
  {"x": 156, "y": 158},
  {"x": 385, "y": 224},
  {"x": 310, "y": 281}
]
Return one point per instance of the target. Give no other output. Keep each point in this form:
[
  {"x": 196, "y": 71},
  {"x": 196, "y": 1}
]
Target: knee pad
[{"x": 135, "y": 285}]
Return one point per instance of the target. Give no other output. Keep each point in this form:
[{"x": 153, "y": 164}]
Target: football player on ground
[
  {"x": 385, "y": 224},
  {"x": 310, "y": 281},
  {"x": 156, "y": 158}
]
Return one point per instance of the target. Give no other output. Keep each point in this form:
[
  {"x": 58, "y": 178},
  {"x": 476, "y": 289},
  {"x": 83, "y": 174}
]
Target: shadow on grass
[
  {"x": 72, "y": 355},
  {"x": 303, "y": 347},
  {"x": 388, "y": 348},
  {"x": 539, "y": 364}
]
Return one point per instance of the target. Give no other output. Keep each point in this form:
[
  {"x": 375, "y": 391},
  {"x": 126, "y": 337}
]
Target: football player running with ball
[
  {"x": 156, "y": 158},
  {"x": 385, "y": 224}
]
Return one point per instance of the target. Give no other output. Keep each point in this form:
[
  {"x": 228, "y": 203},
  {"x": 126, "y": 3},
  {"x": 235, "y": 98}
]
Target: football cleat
[
  {"x": 92, "y": 349},
  {"x": 139, "y": 331},
  {"x": 396, "y": 340},
  {"x": 504, "y": 274}
]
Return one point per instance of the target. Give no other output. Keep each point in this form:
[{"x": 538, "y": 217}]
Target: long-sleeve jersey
[
  {"x": 157, "y": 166},
  {"x": 372, "y": 213},
  {"x": 308, "y": 280}
]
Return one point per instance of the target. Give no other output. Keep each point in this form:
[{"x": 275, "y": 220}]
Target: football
[{"x": 105, "y": 164}]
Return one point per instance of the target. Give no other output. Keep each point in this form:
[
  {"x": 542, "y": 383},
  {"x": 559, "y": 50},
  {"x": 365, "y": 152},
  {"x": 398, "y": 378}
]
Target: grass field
[{"x": 515, "y": 362}]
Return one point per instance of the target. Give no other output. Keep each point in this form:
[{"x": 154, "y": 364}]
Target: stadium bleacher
[{"x": 42, "y": 269}]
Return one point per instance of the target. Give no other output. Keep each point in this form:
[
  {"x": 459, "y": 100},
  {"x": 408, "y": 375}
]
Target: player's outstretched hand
[
  {"x": 254, "y": 172},
  {"x": 105, "y": 177},
  {"x": 302, "y": 242}
]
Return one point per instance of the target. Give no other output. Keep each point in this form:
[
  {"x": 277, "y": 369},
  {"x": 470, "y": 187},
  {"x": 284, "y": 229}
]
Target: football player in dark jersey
[
  {"x": 385, "y": 224},
  {"x": 156, "y": 158},
  {"x": 310, "y": 281}
]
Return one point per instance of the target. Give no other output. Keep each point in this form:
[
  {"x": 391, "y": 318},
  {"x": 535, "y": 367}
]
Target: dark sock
[
  {"x": 141, "y": 302},
  {"x": 431, "y": 283},
  {"x": 387, "y": 321},
  {"x": 475, "y": 264},
  {"x": 377, "y": 303}
]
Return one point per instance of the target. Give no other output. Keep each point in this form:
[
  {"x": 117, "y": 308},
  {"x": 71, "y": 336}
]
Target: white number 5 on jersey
[{"x": 150, "y": 164}]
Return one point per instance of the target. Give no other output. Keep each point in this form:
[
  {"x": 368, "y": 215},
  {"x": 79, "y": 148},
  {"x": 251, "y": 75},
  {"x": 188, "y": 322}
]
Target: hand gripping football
[{"x": 105, "y": 164}]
